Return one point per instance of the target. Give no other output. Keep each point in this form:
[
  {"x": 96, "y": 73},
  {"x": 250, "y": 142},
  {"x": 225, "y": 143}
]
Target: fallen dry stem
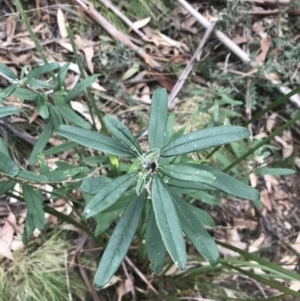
[
  {"x": 116, "y": 34},
  {"x": 235, "y": 48},
  {"x": 197, "y": 55}
]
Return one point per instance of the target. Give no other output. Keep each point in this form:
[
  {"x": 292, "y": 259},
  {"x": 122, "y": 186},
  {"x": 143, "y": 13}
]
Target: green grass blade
[
  {"x": 155, "y": 247},
  {"x": 120, "y": 240},
  {"x": 157, "y": 129},
  {"x": 167, "y": 221},
  {"x": 95, "y": 141},
  {"x": 263, "y": 142},
  {"x": 203, "y": 139},
  {"x": 264, "y": 281},
  {"x": 109, "y": 195},
  {"x": 250, "y": 256}
]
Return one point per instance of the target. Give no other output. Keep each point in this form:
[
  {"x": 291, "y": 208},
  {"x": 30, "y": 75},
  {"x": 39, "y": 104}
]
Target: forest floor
[{"x": 221, "y": 62}]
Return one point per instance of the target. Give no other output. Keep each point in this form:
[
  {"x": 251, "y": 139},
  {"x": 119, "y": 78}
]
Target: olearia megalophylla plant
[{"x": 155, "y": 187}]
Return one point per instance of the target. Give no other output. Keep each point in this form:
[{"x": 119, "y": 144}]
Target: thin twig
[
  {"x": 67, "y": 277},
  {"x": 235, "y": 48},
  {"x": 109, "y": 5},
  {"x": 116, "y": 34},
  {"x": 86, "y": 280},
  {"x": 189, "y": 66},
  {"x": 129, "y": 278},
  {"x": 18, "y": 50},
  {"x": 140, "y": 274}
]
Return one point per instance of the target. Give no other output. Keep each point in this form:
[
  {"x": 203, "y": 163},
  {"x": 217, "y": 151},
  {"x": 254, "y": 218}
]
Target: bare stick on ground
[
  {"x": 235, "y": 48},
  {"x": 116, "y": 34},
  {"x": 189, "y": 66}
]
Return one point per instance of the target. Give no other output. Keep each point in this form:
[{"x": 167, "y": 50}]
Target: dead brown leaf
[
  {"x": 246, "y": 223},
  {"x": 264, "y": 47},
  {"x": 271, "y": 122},
  {"x": 253, "y": 179},
  {"x": 287, "y": 149},
  {"x": 61, "y": 21},
  {"x": 266, "y": 200},
  {"x": 22, "y": 59},
  {"x": 10, "y": 29},
  {"x": 88, "y": 49},
  {"x": 240, "y": 39},
  {"x": 141, "y": 23}
]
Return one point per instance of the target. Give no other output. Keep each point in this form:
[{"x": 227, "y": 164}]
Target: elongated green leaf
[
  {"x": 41, "y": 143},
  {"x": 67, "y": 112},
  {"x": 42, "y": 105},
  {"x": 140, "y": 186},
  {"x": 59, "y": 148},
  {"x": 94, "y": 185},
  {"x": 109, "y": 195},
  {"x": 278, "y": 172},
  {"x": 31, "y": 176},
  {"x": 7, "y": 91},
  {"x": 106, "y": 217},
  {"x": 3, "y": 148},
  {"x": 189, "y": 185},
  {"x": 167, "y": 221},
  {"x": 187, "y": 172},
  {"x": 33, "y": 199},
  {"x": 59, "y": 97},
  {"x": 6, "y": 111},
  {"x": 42, "y": 69},
  {"x": 23, "y": 93},
  {"x": 61, "y": 75},
  {"x": 37, "y": 83},
  {"x": 8, "y": 166},
  {"x": 55, "y": 116},
  {"x": 6, "y": 71},
  {"x": 120, "y": 240},
  {"x": 203, "y": 139},
  {"x": 59, "y": 175},
  {"x": 157, "y": 129},
  {"x": 155, "y": 247},
  {"x": 81, "y": 87},
  {"x": 274, "y": 267},
  {"x": 195, "y": 231},
  {"x": 204, "y": 218},
  {"x": 28, "y": 228},
  {"x": 232, "y": 186},
  {"x": 94, "y": 140},
  {"x": 123, "y": 134},
  {"x": 6, "y": 186},
  {"x": 203, "y": 196}
]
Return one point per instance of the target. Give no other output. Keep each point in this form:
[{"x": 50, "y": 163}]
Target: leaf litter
[{"x": 170, "y": 44}]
